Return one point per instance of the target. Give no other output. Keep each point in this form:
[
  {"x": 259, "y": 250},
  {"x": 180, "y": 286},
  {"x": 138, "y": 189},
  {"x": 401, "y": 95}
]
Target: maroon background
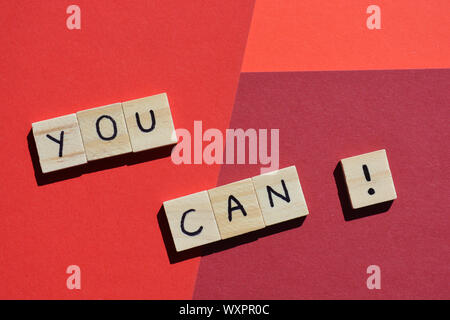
[{"x": 324, "y": 117}]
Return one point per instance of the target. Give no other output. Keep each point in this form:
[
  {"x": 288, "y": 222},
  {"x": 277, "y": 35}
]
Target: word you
[{"x": 103, "y": 132}]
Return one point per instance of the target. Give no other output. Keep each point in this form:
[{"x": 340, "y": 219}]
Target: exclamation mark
[{"x": 371, "y": 191}]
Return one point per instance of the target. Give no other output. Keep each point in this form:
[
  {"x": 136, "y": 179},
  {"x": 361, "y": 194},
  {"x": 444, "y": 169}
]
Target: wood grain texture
[
  {"x": 52, "y": 155},
  {"x": 149, "y": 122},
  {"x": 244, "y": 192},
  {"x": 198, "y": 227},
  {"x": 117, "y": 141},
  {"x": 290, "y": 205},
  {"x": 363, "y": 192}
]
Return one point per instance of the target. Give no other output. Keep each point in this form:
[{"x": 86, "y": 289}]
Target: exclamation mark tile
[
  {"x": 369, "y": 179},
  {"x": 370, "y": 191}
]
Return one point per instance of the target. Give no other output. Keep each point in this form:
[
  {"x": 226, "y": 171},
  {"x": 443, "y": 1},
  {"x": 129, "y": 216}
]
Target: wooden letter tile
[
  {"x": 191, "y": 221},
  {"x": 149, "y": 122},
  {"x": 280, "y": 195},
  {"x": 369, "y": 180},
  {"x": 58, "y": 143},
  {"x": 104, "y": 131},
  {"x": 236, "y": 208}
]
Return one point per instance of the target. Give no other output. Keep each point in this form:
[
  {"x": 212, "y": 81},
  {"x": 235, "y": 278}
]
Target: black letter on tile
[
  {"x": 285, "y": 197},
  {"x": 60, "y": 142},
  {"x": 182, "y": 225},
  {"x": 97, "y": 125},
  {"x": 138, "y": 120},
  {"x": 238, "y": 206}
]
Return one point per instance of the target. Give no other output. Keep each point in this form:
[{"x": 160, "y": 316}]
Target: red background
[
  {"x": 105, "y": 221},
  {"x": 324, "y": 117}
]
